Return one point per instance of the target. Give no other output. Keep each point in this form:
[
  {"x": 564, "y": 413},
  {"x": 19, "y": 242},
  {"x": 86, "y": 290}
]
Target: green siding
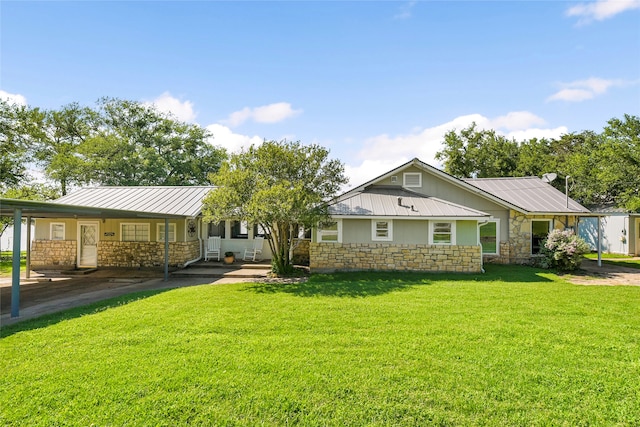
[
  {"x": 467, "y": 233},
  {"x": 412, "y": 232},
  {"x": 406, "y": 231}
]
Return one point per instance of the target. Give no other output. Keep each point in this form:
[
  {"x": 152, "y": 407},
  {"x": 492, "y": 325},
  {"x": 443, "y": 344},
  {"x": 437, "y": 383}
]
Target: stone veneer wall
[
  {"x": 389, "y": 256},
  {"x": 144, "y": 254},
  {"x": 54, "y": 253},
  {"x": 503, "y": 258},
  {"x": 301, "y": 252},
  {"x": 519, "y": 244}
]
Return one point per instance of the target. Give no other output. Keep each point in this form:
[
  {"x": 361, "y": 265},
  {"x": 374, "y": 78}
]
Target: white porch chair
[
  {"x": 253, "y": 252},
  {"x": 213, "y": 248}
]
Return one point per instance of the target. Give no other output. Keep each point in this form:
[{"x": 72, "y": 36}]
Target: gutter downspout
[
  {"x": 480, "y": 224},
  {"x": 200, "y": 243}
]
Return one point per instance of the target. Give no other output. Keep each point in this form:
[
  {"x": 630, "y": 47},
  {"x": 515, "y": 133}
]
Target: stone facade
[
  {"x": 301, "y": 252},
  {"x": 63, "y": 253},
  {"x": 517, "y": 250},
  {"x": 389, "y": 256},
  {"x": 54, "y": 254},
  {"x": 144, "y": 254}
]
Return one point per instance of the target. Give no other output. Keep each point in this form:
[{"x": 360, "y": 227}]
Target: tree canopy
[
  {"x": 603, "y": 168},
  {"x": 16, "y": 126},
  {"x": 119, "y": 142},
  {"x": 279, "y": 186}
]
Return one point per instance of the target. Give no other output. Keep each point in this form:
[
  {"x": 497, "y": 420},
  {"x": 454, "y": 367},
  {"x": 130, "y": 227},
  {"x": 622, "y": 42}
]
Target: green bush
[{"x": 563, "y": 250}]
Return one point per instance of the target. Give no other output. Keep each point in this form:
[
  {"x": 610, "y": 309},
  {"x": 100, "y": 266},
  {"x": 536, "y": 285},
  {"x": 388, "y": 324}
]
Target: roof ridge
[{"x": 499, "y": 178}]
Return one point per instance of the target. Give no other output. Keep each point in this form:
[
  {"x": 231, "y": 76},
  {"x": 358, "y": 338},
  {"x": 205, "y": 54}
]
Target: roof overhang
[
  {"x": 39, "y": 209},
  {"x": 415, "y": 218}
]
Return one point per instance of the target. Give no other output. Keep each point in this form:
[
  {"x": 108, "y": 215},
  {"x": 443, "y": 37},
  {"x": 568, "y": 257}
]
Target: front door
[{"x": 87, "y": 244}]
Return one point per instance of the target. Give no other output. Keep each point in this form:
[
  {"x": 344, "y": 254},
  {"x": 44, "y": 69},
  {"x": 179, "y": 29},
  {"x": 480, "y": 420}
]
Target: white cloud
[
  {"x": 13, "y": 98},
  {"x": 233, "y": 142},
  {"x": 384, "y": 152},
  {"x": 183, "y": 110},
  {"x": 516, "y": 120},
  {"x": 601, "y": 10},
  {"x": 405, "y": 10},
  {"x": 582, "y": 90},
  {"x": 525, "y": 134},
  {"x": 271, "y": 113}
]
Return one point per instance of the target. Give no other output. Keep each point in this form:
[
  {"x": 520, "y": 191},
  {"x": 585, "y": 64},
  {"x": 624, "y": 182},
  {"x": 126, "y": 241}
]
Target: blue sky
[{"x": 376, "y": 82}]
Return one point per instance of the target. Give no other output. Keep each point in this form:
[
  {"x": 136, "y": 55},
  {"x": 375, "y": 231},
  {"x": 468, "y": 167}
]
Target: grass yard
[
  {"x": 5, "y": 263},
  {"x": 516, "y": 346},
  {"x": 617, "y": 259}
]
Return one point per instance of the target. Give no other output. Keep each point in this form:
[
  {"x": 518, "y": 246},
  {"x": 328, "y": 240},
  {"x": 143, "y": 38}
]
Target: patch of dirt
[{"x": 607, "y": 275}]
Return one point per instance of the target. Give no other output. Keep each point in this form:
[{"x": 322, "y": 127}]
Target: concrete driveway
[
  {"x": 52, "y": 291},
  {"x": 607, "y": 275}
]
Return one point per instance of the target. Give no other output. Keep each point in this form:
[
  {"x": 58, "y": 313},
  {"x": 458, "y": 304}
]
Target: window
[
  {"x": 239, "y": 230},
  {"x": 259, "y": 231},
  {"x": 381, "y": 230},
  {"x": 540, "y": 229},
  {"x": 57, "y": 231},
  {"x": 172, "y": 232},
  {"x": 442, "y": 232},
  {"x": 412, "y": 179},
  {"x": 134, "y": 232},
  {"x": 217, "y": 229},
  {"x": 489, "y": 238},
  {"x": 330, "y": 231}
]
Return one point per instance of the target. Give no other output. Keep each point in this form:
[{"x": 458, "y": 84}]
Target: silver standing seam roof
[
  {"x": 172, "y": 200},
  {"x": 529, "y": 193},
  {"x": 386, "y": 201}
]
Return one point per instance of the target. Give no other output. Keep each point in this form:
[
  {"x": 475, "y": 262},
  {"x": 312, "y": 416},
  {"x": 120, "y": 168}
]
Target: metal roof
[
  {"x": 184, "y": 201},
  {"x": 537, "y": 197},
  {"x": 387, "y": 201},
  {"x": 39, "y": 209},
  {"x": 529, "y": 193}
]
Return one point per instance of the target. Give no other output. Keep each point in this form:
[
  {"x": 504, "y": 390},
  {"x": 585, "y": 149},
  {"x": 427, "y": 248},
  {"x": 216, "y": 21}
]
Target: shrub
[{"x": 563, "y": 250}]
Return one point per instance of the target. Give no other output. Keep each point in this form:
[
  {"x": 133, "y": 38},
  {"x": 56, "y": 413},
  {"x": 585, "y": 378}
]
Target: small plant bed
[{"x": 515, "y": 346}]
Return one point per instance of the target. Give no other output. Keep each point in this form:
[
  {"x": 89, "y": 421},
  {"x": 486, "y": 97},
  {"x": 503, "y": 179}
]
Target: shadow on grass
[
  {"x": 73, "y": 313},
  {"x": 628, "y": 264},
  {"x": 372, "y": 283}
]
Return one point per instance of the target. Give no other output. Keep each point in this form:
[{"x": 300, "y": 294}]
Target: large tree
[
  {"x": 136, "y": 144},
  {"x": 58, "y": 138},
  {"x": 278, "y": 185},
  {"x": 620, "y": 161},
  {"x": 601, "y": 168},
  {"x": 17, "y": 124},
  {"x": 481, "y": 153}
]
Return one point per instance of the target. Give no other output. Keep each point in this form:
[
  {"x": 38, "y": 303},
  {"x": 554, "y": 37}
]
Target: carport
[{"x": 28, "y": 209}]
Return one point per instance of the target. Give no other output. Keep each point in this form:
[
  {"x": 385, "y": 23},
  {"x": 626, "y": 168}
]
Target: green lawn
[
  {"x": 516, "y": 346},
  {"x": 617, "y": 259},
  {"x": 5, "y": 263}
]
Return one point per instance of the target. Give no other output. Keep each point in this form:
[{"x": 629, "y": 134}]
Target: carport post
[
  {"x": 28, "y": 272},
  {"x": 15, "y": 268},
  {"x": 166, "y": 249},
  {"x": 599, "y": 243}
]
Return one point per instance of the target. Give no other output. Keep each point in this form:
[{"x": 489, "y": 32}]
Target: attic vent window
[
  {"x": 412, "y": 179},
  {"x": 394, "y": 179}
]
